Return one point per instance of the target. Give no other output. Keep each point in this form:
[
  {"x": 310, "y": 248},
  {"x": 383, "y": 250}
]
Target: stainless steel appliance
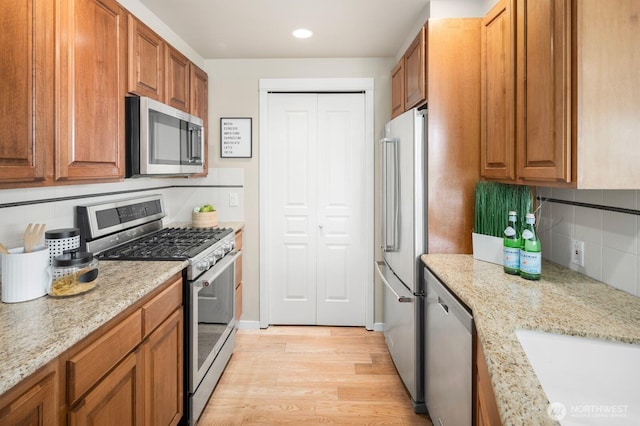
[
  {"x": 404, "y": 240},
  {"x": 132, "y": 230},
  {"x": 448, "y": 356},
  {"x": 162, "y": 140}
]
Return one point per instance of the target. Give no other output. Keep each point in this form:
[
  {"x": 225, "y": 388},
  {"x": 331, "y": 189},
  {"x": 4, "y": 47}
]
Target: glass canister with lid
[{"x": 72, "y": 273}]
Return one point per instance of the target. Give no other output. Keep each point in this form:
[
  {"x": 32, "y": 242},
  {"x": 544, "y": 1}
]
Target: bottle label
[
  {"x": 509, "y": 232},
  {"x": 511, "y": 258},
  {"x": 531, "y": 262},
  {"x": 527, "y": 235}
]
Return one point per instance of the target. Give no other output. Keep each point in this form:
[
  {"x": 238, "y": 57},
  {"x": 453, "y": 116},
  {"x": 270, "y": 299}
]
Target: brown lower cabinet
[
  {"x": 32, "y": 402},
  {"x": 238, "y": 282},
  {"x": 128, "y": 372},
  {"x": 486, "y": 410}
]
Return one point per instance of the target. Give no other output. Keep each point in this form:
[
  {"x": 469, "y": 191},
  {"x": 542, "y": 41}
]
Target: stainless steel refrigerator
[{"x": 404, "y": 240}]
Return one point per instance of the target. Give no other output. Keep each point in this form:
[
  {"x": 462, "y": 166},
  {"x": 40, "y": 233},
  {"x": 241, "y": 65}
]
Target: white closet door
[
  {"x": 341, "y": 198},
  {"x": 316, "y": 198},
  {"x": 292, "y": 206}
]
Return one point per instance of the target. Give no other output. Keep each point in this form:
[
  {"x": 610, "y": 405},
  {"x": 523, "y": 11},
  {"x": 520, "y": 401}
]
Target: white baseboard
[
  {"x": 378, "y": 326},
  {"x": 248, "y": 325}
]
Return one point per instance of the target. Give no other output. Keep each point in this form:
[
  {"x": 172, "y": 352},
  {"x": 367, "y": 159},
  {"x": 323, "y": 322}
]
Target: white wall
[
  {"x": 55, "y": 206},
  {"x": 612, "y": 239},
  {"x": 233, "y": 92}
]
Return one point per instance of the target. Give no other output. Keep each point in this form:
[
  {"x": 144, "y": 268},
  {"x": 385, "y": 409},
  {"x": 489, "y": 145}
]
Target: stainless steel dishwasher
[{"x": 448, "y": 356}]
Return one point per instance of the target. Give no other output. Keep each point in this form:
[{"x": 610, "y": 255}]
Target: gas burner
[{"x": 168, "y": 244}]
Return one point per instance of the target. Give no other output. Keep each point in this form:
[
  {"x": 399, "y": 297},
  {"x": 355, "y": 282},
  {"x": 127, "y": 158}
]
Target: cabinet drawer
[
  {"x": 88, "y": 366},
  {"x": 161, "y": 306}
]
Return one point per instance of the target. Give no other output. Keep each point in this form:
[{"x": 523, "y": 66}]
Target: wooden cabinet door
[
  {"x": 91, "y": 72},
  {"x": 32, "y": 402},
  {"x": 146, "y": 61},
  {"x": 26, "y": 88},
  {"x": 415, "y": 75},
  {"x": 543, "y": 129},
  {"x": 397, "y": 89},
  {"x": 238, "y": 283},
  {"x": 486, "y": 410},
  {"x": 177, "y": 79},
  {"x": 497, "y": 137},
  {"x": 163, "y": 366},
  {"x": 116, "y": 400},
  {"x": 199, "y": 98}
]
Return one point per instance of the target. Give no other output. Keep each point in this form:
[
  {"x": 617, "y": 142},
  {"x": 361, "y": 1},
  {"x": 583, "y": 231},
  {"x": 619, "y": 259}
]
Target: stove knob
[
  {"x": 219, "y": 254},
  {"x": 203, "y": 266},
  {"x": 211, "y": 259}
]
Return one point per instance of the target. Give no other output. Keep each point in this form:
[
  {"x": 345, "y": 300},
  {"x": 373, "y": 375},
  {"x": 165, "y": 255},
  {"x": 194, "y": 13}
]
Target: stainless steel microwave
[{"x": 162, "y": 140}]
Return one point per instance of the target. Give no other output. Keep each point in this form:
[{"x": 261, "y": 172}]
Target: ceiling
[{"x": 225, "y": 29}]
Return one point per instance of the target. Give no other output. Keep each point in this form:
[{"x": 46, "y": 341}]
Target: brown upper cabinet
[
  {"x": 75, "y": 133},
  {"x": 146, "y": 61},
  {"x": 91, "y": 72},
  {"x": 415, "y": 66},
  {"x": 559, "y": 87},
  {"x": 26, "y": 104},
  {"x": 397, "y": 88},
  {"x": 199, "y": 98},
  {"x": 177, "y": 79},
  {"x": 409, "y": 76},
  {"x": 66, "y": 68},
  {"x": 497, "y": 154}
]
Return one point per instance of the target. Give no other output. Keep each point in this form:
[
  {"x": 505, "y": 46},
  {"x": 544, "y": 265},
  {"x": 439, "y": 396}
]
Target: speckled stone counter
[
  {"x": 563, "y": 301},
  {"x": 35, "y": 332}
]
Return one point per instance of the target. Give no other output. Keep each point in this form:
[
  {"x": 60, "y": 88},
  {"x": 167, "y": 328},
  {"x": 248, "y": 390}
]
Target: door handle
[{"x": 401, "y": 299}]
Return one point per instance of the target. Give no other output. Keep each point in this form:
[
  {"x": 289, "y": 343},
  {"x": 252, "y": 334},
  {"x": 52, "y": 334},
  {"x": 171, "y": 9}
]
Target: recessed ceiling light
[{"x": 302, "y": 33}]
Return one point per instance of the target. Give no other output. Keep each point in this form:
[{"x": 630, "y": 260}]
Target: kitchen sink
[{"x": 587, "y": 381}]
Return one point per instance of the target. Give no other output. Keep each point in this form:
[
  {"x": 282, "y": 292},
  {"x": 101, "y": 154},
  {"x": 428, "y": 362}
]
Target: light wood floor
[{"x": 310, "y": 375}]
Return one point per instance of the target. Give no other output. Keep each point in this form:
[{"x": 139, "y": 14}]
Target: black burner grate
[{"x": 168, "y": 244}]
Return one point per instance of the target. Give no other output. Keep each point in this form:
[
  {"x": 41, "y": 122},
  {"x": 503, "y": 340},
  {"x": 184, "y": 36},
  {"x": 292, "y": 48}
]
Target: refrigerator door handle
[
  {"x": 401, "y": 299},
  {"x": 390, "y": 211}
]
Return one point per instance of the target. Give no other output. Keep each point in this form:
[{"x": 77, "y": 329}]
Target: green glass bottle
[
  {"x": 531, "y": 253},
  {"x": 511, "y": 246}
]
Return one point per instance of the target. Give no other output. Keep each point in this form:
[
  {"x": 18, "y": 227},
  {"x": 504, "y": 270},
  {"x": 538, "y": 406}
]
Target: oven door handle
[{"x": 210, "y": 276}]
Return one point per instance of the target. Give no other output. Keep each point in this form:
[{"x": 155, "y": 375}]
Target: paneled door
[{"x": 316, "y": 200}]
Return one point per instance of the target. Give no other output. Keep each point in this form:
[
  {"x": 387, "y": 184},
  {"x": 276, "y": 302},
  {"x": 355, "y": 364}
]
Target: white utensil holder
[{"x": 24, "y": 275}]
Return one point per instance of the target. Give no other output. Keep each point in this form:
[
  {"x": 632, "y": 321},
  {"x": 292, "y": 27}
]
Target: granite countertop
[
  {"x": 563, "y": 301},
  {"x": 34, "y": 333}
]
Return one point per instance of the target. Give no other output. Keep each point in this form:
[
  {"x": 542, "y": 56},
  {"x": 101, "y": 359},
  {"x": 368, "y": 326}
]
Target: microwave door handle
[
  {"x": 190, "y": 145},
  {"x": 197, "y": 141}
]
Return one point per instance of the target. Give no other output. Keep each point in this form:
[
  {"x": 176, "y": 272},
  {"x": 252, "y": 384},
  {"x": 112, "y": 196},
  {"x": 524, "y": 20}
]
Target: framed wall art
[{"x": 235, "y": 137}]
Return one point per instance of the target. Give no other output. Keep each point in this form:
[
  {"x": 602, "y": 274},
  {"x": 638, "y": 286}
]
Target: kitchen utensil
[
  {"x": 3, "y": 249},
  {"x": 24, "y": 275},
  {"x": 32, "y": 235},
  {"x": 61, "y": 240}
]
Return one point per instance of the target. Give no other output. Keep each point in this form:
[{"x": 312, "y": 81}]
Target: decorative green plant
[{"x": 493, "y": 203}]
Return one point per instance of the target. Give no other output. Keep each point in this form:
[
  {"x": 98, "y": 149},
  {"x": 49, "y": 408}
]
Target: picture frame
[{"x": 235, "y": 137}]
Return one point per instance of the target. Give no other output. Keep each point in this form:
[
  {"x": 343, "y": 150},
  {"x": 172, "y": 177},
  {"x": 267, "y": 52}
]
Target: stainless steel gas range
[{"x": 132, "y": 229}]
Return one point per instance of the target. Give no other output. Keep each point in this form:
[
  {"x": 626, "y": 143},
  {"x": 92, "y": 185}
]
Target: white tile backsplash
[
  {"x": 612, "y": 239},
  {"x": 179, "y": 201}
]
